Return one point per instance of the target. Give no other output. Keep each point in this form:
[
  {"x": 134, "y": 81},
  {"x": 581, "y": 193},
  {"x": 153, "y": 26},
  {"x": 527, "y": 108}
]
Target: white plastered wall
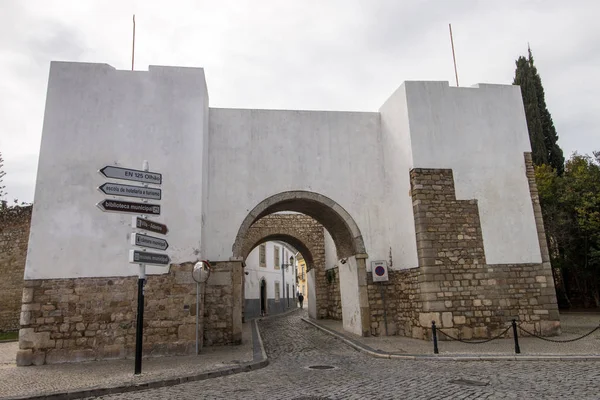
[
  {"x": 97, "y": 116},
  {"x": 396, "y": 144},
  {"x": 269, "y": 273},
  {"x": 481, "y": 134},
  {"x": 255, "y": 154}
]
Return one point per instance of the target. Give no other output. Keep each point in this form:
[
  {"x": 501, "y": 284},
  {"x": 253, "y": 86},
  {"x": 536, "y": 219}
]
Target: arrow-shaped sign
[
  {"x": 117, "y": 189},
  {"x": 144, "y": 257},
  {"x": 138, "y": 239},
  {"x": 131, "y": 174},
  {"x": 147, "y": 225},
  {"x": 129, "y": 207}
]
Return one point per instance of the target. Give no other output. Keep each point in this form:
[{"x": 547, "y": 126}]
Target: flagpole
[
  {"x": 453, "y": 55},
  {"x": 133, "y": 44}
]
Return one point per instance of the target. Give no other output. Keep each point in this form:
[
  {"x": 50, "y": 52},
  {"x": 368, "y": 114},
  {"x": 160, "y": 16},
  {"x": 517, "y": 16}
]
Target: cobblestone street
[{"x": 293, "y": 346}]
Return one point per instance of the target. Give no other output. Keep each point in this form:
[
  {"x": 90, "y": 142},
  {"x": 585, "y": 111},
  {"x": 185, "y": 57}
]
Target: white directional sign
[
  {"x": 144, "y": 257},
  {"x": 131, "y": 174},
  {"x": 138, "y": 239},
  {"x": 117, "y": 189}
]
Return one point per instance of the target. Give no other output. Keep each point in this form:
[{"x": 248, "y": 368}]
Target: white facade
[
  {"x": 280, "y": 283},
  {"x": 218, "y": 164}
]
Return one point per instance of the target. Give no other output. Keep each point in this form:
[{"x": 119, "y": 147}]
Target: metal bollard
[
  {"x": 516, "y": 336},
  {"x": 435, "y": 346}
]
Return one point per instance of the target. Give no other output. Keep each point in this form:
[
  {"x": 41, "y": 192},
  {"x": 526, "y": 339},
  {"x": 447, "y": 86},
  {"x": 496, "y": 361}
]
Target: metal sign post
[
  {"x": 200, "y": 274},
  {"x": 139, "y": 328},
  {"x": 143, "y": 209}
]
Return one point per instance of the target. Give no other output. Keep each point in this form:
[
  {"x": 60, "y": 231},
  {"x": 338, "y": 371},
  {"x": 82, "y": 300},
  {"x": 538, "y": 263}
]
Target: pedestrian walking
[{"x": 301, "y": 300}]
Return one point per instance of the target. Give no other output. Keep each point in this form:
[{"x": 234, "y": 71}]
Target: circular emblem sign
[{"x": 379, "y": 270}]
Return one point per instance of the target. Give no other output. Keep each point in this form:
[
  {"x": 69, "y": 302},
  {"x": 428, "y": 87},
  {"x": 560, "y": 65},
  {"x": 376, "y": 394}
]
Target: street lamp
[{"x": 284, "y": 268}]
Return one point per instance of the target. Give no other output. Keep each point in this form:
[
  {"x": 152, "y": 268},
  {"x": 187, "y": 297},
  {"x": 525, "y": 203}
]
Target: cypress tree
[
  {"x": 554, "y": 153},
  {"x": 542, "y": 133},
  {"x": 524, "y": 78}
]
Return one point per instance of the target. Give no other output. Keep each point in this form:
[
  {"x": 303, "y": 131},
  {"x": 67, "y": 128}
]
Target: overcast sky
[{"x": 302, "y": 54}]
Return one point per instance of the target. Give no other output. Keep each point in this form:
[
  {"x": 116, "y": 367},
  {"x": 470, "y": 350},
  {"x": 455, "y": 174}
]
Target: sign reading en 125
[
  {"x": 129, "y": 174},
  {"x": 144, "y": 257}
]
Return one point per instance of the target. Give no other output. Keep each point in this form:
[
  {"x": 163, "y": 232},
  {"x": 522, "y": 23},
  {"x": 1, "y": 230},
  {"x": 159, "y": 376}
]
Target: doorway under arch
[
  {"x": 263, "y": 297},
  {"x": 348, "y": 241}
]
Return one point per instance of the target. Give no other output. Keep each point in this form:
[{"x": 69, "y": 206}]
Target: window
[
  {"x": 276, "y": 257},
  {"x": 262, "y": 255},
  {"x": 277, "y": 292}
]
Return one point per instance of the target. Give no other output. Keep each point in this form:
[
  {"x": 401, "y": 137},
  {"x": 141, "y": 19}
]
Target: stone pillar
[
  {"x": 363, "y": 294},
  {"x": 238, "y": 301},
  {"x": 355, "y": 299}
]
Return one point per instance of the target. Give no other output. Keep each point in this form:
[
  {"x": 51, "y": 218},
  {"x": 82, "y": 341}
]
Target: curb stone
[
  {"x": 259, "y": 361},
  {"x": 454, "y": 357}
]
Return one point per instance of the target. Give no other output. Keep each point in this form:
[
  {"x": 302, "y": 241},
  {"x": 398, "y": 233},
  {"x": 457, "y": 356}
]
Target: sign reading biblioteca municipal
[{"x": 129, "y": 207}]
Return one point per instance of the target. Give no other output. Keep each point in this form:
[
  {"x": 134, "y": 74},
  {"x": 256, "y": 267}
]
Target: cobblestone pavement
[{"x": 293, "y": 346}]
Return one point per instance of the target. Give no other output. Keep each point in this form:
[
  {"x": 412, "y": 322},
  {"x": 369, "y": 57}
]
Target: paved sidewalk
[
  {"x": 78, "y": 380},
  {"x": 573, "y": 325}
]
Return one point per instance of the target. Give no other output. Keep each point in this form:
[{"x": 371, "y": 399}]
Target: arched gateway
[
  {"x": 437, "y": 184},
  {"x": 349, "y": 245}
]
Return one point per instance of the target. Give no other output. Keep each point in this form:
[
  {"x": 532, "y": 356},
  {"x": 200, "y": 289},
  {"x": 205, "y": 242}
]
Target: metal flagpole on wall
[
  {"x": 453, "y": 55},
  {"x": 133, "y": 44}
]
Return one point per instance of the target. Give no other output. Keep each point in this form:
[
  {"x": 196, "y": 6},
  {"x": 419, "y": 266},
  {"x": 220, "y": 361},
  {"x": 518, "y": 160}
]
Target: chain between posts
[
  {"x": 515, "y": 327},
  {"x": 474, "y": 341},
  {"x": 560, "y": 341}
]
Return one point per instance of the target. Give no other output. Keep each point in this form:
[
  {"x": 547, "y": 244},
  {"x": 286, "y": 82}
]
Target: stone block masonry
[
  {"x": 14, "y": 236},
  {"x": 458, "y": 289},
  {"x": 69, "y": 320},
  {"x": 334, "y": 297},
  {"x": 402, "y": 303}
]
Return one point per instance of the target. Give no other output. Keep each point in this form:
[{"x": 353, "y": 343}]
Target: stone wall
[
  {"x": 223, "y": 302},
  {"x": 67, "y": 320},
  {"x": 14, "y": 235},
  {"x": 457, "y": 288},
  {"x": 402, "y": 303},
  {"x": 334, "y": 297}
]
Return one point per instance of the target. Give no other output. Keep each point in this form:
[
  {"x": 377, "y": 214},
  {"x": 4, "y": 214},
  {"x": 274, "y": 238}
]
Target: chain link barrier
[
  {"x": 515, "y": 329},
  {"x": 559, "y": 341},
  {"x": 473, "y": 341}
]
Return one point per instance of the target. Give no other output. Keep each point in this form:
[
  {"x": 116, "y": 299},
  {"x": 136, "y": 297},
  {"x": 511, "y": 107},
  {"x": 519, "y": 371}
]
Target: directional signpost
[
  {"x": 140, "y": 221},
  {"x": 145, "y": 257},
  {"x": 152, "y": 242},
  {"x": 117, "y": 189},
  {"x": 147, "y": 225},
  {"x": 129, "y": 207},
  {"x": 128, "y": 174}
]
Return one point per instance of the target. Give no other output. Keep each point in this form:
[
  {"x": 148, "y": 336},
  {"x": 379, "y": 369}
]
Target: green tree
[
  {"x": 542, "y": 133},
  {"x": 571, "y": 210}
]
